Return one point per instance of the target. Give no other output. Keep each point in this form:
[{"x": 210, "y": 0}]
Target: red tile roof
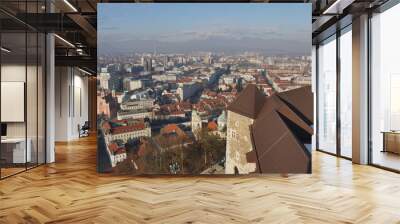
[
  {"x": 184, "y": 80},
  {"x": 177, "y": 113},
  {"x": 172, "y": 128},
  {"x": 129, "y": 128},
  {"x": 115, "y": 149},
  {"x": 212, "y": 126}
]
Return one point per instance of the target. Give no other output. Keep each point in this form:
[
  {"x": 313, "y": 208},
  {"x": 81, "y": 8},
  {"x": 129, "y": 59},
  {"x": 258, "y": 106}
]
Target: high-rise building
[
  {"x": 142, "y": 61},
  {"x": 196, "y": 123},
  {"x": 148, "y": 64},
  {"x": 104, "y": 77},
  {"x": 188, "y": 90},
  {"x": 115, "y": 83},
  {"x": 208, "y": 59},
  {"x": 131, "y": 84},
  {"x": 166, "y": 60}
]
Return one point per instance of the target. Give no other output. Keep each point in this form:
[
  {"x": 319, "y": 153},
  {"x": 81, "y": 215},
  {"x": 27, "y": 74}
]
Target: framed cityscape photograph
[{"x": 204, "y": 89}]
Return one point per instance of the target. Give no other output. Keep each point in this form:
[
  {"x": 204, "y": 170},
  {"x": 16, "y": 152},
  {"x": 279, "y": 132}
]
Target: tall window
[
  {"x": 385, "y": 89},
  {"x": 327, "y": 95},
  {"x": 346, "y": 92}
]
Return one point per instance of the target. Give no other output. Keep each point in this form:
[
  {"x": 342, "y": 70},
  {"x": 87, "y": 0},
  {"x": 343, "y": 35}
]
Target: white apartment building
[
  {"x": 135, "y": 114},
  {"x": 132, "y": 84},
  {"x": 137, "y": 104},
  {"x": 104, "y": 77}
]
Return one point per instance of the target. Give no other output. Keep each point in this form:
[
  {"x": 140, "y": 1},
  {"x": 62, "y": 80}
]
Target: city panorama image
[{"x": 204, "y": 89}]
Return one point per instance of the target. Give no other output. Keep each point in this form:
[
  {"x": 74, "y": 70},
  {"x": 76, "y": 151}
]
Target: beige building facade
[{"x": 238, "y": 143}]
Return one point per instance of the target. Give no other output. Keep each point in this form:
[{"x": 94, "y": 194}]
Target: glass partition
[
  {"x": 13, "y": 86},
  {"x": 22, "y": 92}
]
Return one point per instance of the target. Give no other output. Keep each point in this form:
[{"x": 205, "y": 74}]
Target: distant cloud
[
  {"x": 216, "y": 39},
  {"x": 109, "y": 28},
  {"x": 270, "y": 28},
  {"x": 220, "y": 32}
]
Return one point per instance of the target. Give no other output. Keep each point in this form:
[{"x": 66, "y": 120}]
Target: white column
[
  {"x": 314, "y": 90},
  {"x": 63, "y": 101},
  {"x": 360, "y": 89},
  {"x": 50, "y": 101}
]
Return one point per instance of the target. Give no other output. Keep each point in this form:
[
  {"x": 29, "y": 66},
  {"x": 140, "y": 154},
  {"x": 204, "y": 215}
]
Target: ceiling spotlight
[
  {"x": 5, "y": 50},
  {"x": 70, "y": 5},
  {"x": 64, "y": 40},
  {"x": 79, "y": 51}
]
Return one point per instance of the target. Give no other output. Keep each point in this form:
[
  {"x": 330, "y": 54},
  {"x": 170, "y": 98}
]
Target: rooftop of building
[
  {"x": 172, "y": 129},
  {"x": 137, "y": 111},
  {"x": 212, "y": 126},
  {"x": 116, "y": 149},
  {"x": 128, "y": 128},
  {"x": 281, "y": 128}
]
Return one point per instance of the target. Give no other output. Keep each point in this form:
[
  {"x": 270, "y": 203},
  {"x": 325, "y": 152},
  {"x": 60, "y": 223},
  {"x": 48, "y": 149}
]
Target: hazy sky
[{"x": 225, "y": 27}]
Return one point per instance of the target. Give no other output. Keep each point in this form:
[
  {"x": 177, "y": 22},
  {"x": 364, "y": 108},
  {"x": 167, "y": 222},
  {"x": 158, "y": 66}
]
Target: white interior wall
[
  {"x": 71, "y": 94},
  {"x": 80, "y": 104},
  {"x": 61, "y": 104}
]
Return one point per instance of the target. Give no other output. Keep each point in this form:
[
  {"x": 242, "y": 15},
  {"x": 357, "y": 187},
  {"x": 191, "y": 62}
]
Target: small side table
[{"x": 391, "y": 141}]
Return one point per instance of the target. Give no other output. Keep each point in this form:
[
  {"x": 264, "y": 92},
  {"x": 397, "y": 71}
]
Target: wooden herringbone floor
[{"x": 70, "y": 191}]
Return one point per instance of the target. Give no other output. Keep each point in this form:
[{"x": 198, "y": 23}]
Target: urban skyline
[{"x": 188, "y": 28}]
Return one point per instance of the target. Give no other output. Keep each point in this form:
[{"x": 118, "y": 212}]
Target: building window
[
  {"x": 385, "y": 89},
  {"x": 346, "y": 73},
  {"x": 327, "y": 95},
  {"x": 233, "y": 135}
]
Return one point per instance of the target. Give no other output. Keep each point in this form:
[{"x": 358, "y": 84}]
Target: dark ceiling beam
[
  {"x": 10, "y": 25},
  {"x": 331, "y": 30},
  {"x": 83, "y": 23},
  {"x": 49, "y": 22},
  {"x": 91, "y": 5},
  {"x": 328, "y": 28},
  {"x": 77, "y": 61},
  {"x": 69, "y": 23},
  {"x": 89, "y": 71},
  {"x": 15, "y": 18},
  {"x": 337, "y": 7},
  {"x": 322, "y": 22},
  {"x": 335, "y": 16},
  {"x": 124, "y": 1},
  {"x": 86, "y": 51}
]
